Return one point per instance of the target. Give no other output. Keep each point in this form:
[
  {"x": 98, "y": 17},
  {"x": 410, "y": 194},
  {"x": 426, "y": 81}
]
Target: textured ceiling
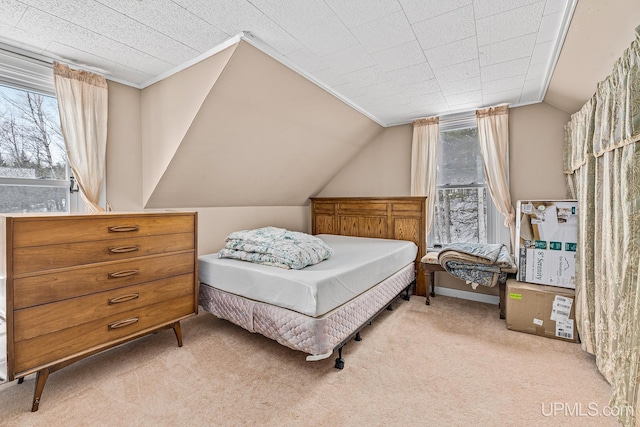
[{"x": 393, "y": 60}]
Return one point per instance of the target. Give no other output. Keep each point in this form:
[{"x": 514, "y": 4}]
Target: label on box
[
  {"x": 538, "y": 322},
  {"x": 564, "y": 329},
  {"x": 561, "y": 308},
  {"x": 541, "y": 244},
  {"x": 550, "y": 267},
  {"x": 555, "y": 246},
  {"x": 515, "y": 296}
]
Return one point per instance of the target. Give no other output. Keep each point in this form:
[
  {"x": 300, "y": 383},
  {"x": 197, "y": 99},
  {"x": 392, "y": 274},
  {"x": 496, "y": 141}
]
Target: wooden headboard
[{"x": 402, "y": 218}]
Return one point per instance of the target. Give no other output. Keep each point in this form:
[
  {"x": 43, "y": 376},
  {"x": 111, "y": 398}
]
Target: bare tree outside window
[
  {"x": 33, "y": 164},
  {"x": 461, "y": 189}
]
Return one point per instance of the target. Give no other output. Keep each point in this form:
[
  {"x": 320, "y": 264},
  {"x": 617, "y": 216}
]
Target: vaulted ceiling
[
  {"x": 392, "y": 60},
  {"x": 337, "y": 71},
  {"x": 241, "y": 129}
]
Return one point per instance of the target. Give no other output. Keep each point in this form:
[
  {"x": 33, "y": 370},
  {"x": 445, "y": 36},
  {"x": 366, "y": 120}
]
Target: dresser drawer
[
  {"x": 40, "y": 258},
  {"x": 37, "y": 231},
  {"x": 48, "y": 318},
  {"x": 101, "y": 333},
  {"x": 74, "y": 282}
]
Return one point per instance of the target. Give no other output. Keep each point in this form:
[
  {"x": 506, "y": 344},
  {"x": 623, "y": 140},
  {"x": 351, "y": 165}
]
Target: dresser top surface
[{"x": 56, "y": 215}]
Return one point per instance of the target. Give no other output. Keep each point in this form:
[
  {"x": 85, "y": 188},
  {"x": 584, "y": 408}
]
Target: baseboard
[{"x": 473, "y": 296}]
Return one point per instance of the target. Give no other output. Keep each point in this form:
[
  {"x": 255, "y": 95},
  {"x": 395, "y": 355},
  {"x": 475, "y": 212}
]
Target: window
[
  {"x": 464, "y": 211},
  {"x": 33, "y": 166}
]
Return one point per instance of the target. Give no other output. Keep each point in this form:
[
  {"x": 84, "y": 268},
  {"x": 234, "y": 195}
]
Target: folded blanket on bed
[
  {"x": 277, "y": 247},
  {"x": 477, "y": 263}
]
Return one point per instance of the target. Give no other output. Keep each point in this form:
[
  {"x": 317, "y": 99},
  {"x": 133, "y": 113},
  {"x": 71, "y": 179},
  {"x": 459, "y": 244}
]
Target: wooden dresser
[{"x": 79, "y": 284}]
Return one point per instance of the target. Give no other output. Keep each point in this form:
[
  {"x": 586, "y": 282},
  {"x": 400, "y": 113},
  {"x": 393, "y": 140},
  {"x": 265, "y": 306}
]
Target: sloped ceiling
[
  {"x": 262, "y": 136},
  {"x": 600, "y": 31},
  {"x": 380, "y": 56}
]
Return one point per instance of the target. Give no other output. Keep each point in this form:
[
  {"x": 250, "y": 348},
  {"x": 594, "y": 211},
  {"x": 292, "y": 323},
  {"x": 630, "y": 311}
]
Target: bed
[{"x": 377, "y": 242}]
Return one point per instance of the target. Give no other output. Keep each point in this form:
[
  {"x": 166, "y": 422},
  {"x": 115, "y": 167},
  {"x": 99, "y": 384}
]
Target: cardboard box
[
  {"x": 548, "y": 311},
  {"x": 547, "y": 233}
]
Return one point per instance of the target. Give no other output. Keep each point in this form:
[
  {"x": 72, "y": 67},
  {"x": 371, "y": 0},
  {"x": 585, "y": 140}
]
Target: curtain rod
[{"x": 26, "y": 55}]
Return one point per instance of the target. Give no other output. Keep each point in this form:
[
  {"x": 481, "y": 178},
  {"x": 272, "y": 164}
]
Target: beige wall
[
  {"x": 536, "y": 136},
  {"x": 146, "y": 128},
  {"x": 214, "y": 224},
  {"x": 600, "y": 31},
  {"x": 380, "y": 167},
  {"x": 168, "y": 109},
  {"x": 124, "y": 180},
  {"x": 124, "y": 155},
  {"x": 261, "y": 135}
]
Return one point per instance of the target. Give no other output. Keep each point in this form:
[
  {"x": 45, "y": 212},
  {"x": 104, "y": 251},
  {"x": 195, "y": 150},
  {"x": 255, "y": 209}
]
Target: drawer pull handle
[
  {"x": 123, "y": 298},
  {"x": 123, "y": 228},
  {"x": 123, "y": 249},
  {"x": 123, "y": 273},
  {"x": 122, "y": 323}
]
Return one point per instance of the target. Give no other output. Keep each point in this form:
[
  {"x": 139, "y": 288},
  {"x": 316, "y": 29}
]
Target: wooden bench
[{"x": 430, "y": 265}]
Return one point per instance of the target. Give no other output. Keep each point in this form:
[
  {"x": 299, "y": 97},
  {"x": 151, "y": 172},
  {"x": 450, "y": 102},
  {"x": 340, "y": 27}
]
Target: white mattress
[{"x": 357, "y": 264}]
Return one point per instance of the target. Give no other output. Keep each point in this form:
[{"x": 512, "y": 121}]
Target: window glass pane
[
  {"x": 459, "y": 159},
  {"x": 31, "y": 143},
  {"x": 31, "y": 154},
  {"x": 32, "y": 198},
  {"x": 460, "y": 215}
]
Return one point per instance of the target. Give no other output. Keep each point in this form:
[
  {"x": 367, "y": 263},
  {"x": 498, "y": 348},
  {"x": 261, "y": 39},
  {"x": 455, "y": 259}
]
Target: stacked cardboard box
[
  {"x": 547, "y": 234},
  {"x": 548, "y": 311},
  {"x": 541, "y": 301}
]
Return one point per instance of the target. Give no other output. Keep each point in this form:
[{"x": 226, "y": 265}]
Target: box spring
[{"x": 317, "y": 336}]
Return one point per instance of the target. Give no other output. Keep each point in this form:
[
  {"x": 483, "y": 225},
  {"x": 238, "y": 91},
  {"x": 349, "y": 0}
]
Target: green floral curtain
[{"x": 602, "y": 163}]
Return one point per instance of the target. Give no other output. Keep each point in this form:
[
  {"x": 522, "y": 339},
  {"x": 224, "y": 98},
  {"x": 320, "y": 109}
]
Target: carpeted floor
[{"x": 453, "y": 363}]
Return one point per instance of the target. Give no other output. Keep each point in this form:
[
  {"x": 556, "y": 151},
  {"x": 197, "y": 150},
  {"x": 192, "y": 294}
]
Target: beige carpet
[{"x": 453, "y": 363}]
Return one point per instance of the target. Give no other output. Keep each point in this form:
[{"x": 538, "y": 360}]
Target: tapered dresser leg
[
  {"x": 178, "y": 331},
  {"x": 41, "y": 379}
]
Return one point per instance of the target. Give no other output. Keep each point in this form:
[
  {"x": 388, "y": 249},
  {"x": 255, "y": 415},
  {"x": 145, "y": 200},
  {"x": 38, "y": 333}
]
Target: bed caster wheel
[{"x": 339, "y": 363}]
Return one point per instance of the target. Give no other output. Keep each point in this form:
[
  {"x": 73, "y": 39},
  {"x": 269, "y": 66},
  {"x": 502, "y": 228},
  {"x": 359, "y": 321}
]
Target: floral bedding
[
  {"x": 478, "y": 264},
  {"x": 276, "y": 247}
]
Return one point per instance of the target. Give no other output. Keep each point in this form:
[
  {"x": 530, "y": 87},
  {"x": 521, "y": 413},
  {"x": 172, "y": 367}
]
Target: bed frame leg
[
  {"x": 339, "y": 361},
  {"x": 390, "y": 307},
  {"x": 358, "y": 337},
  {"x": 406, "y": 295}
]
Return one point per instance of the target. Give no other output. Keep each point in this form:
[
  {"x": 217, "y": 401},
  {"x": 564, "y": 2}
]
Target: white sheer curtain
[
  {"x": 493, "y": 136},
  {"x": 82, "y": 102},
  {"x": 424, "y": 148}
]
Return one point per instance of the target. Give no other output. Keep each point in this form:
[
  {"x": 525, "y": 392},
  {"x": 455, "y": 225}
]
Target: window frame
[
  {"x": 36, "y": 77},
  {"x": 497, "y": 232}
]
